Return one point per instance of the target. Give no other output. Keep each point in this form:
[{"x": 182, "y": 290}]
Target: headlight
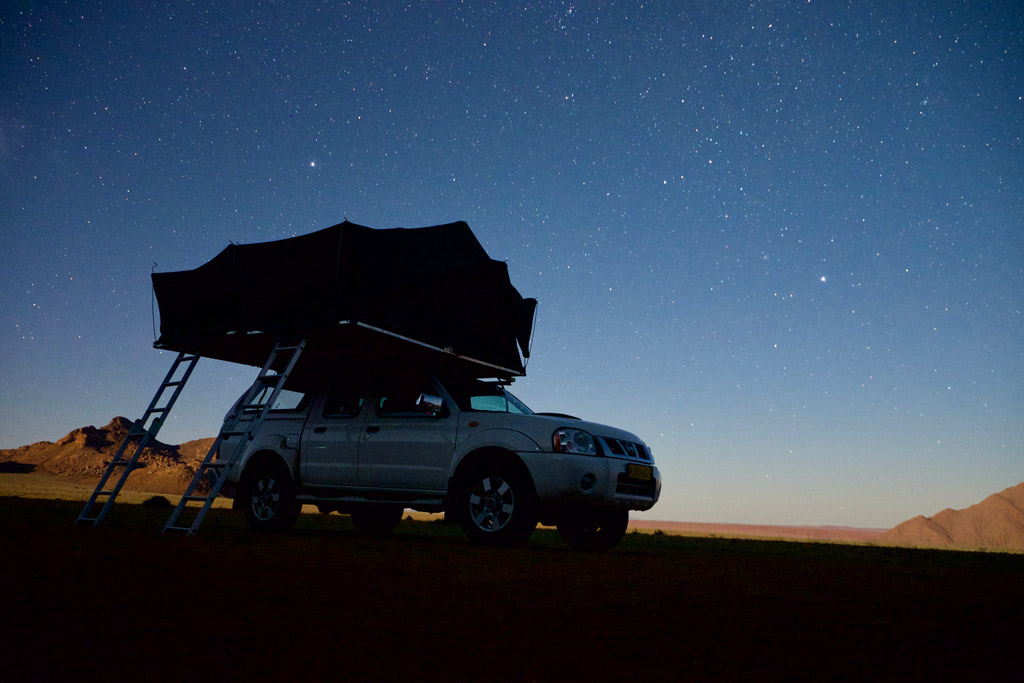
[{"x": 567, "y": 440}]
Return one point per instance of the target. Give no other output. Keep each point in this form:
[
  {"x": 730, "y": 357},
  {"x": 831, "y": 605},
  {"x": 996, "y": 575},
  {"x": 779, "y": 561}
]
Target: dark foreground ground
[{"x": 123, "y": 602}]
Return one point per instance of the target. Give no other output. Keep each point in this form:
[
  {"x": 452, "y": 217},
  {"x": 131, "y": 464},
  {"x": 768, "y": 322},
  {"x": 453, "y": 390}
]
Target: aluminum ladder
[
  {"x": 139, "y": 436},
  {"x": 250, "y": 406}
]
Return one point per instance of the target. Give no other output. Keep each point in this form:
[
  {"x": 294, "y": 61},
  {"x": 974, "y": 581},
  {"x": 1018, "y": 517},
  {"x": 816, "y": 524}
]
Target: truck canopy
[{"x": 423, "y": 296}]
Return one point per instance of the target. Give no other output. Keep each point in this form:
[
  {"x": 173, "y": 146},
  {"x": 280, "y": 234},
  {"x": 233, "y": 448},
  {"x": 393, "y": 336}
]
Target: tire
[
  {"x": 497, "y": 506},
  {"x": 268, "y": 497},
  {"x": 593, "y": 529},
  {"x": 377, "y": 520}
]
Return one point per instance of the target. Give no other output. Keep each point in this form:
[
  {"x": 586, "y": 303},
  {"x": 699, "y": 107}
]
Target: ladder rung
[
  {"x": 162, "y": 409},
  {"x": 219, "y": 463},
  {"x": 192, "y": 499},
  {"x": 119, "y": 463},
  {"x": 228, "y": 435},
  {"x": 177, "y": 528},
  {"x": 253, "y": 406},
  {"x": 137, "y": 433},
  {"x": 175, "y": 383},
  {"x": 103, "y": 493}
]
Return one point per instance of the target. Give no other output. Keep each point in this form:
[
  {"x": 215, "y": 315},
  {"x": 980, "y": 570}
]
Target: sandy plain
[{"x": 124, "y": 602}]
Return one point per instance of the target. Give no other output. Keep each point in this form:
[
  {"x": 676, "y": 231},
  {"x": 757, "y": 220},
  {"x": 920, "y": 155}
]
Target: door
[
  {"x": 330, "y": 447},
  {"x": 404, "y": 447}
]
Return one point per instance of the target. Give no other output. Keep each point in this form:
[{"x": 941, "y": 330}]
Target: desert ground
[{"x": 122, "y": 602}]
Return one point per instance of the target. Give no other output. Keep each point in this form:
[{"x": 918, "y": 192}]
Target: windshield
[{"x": 489, "y": 397}]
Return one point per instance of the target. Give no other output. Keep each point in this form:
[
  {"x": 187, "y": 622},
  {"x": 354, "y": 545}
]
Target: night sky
[{"x": 782, "y": 242}]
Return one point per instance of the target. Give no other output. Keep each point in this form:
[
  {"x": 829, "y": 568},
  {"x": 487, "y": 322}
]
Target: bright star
[{"x": 312, "y": 164}]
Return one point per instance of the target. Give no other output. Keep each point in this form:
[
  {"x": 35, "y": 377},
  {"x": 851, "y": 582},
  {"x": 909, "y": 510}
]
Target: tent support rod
[{"x": 429, "y": 346}]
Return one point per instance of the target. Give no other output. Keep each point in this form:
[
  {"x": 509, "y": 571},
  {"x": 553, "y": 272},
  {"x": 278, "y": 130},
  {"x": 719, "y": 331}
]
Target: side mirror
[{"x": 429, "y": 403}]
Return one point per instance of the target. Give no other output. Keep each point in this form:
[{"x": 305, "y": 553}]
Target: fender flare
[{"x": 271, "y": 443}]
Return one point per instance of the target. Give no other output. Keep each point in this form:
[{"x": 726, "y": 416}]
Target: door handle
[
  {"x": 320, "y": 430},
  {"x": 372, "y": 430}
]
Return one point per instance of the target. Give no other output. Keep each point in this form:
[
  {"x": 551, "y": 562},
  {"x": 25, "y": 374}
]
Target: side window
[
  {"x": 488, "y": 397},
  {"x": 343, "y": 402},
  {"x": 490, "y": 404},
  {"x": 286, "y": 399},
  {"x": 289, "y": 400},
  {"x": 400, "y": 401}
]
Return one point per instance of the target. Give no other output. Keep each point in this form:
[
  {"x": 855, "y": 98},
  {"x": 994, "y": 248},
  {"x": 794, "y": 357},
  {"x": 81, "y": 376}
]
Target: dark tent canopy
[{"x": 392, "y": 297}]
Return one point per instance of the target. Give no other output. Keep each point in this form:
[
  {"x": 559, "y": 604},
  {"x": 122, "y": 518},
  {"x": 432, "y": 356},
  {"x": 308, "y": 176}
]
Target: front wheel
[
  {"x": 268, "y": 494},
  {"x": 497, "y": 506},
  {"x": 593, "y": 529}
]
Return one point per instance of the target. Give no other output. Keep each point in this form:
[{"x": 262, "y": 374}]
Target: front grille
[
  {"x": 627, "y": 449},
  {"x": 634, "y": 487}
]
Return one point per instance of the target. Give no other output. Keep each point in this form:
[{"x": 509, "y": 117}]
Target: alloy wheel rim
[
  {"x": 491, "y": 504},
  {"x": 266, "y": 496}
]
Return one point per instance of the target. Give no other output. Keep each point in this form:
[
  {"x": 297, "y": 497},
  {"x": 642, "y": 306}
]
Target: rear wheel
[
  {"x": 268, "y": 495},
  {"x": 497, "y": 506},
  {"x": 593, "y": 529},
  {"x": 377, "y": 520}
]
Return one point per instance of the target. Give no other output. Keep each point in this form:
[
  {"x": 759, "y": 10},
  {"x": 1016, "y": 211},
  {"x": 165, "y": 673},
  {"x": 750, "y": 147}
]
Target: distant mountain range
[{"x": 996, "y": 523}]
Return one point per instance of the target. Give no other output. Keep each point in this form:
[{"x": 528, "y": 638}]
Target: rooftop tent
[{"x": 423, "y": 296}]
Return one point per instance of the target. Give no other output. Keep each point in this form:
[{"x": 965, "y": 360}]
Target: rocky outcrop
[{"x": 83, "y": 454}]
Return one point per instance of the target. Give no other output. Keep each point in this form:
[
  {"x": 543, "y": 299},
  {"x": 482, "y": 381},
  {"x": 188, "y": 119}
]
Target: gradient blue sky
[{"x": 780, "y": 241}]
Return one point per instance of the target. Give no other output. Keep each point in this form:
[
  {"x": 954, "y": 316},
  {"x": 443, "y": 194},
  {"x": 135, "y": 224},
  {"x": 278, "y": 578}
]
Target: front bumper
[{"x": 596, "y": 480}]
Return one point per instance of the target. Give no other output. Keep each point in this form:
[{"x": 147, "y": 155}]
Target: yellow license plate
[{"x": 640, "y": 472}]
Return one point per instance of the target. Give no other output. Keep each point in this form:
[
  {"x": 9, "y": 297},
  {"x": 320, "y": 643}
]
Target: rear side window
[
  {"x": 286, "y": 399},
  {"x": 343, "y": 402}
]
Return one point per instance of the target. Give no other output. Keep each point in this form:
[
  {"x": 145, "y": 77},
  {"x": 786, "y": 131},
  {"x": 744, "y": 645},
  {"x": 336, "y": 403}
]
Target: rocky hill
[
  {"x": 82, "y": 455},
  {"x": 996, "y": 523}
]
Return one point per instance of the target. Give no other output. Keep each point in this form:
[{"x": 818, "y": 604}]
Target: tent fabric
[{"x": 435, "y": 285}]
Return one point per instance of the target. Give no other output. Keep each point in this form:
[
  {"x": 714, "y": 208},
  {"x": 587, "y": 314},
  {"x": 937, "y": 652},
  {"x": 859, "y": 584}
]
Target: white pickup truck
[{"x": 462, "y": 446}]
